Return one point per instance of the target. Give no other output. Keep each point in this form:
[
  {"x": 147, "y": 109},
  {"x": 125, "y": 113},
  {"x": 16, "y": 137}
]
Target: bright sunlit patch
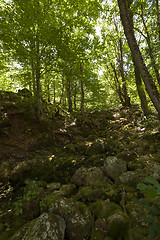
[{"x": 51, "y": 157}]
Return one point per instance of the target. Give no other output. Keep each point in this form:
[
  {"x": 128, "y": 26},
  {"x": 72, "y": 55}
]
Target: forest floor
[{"x": 53, "y": 149}]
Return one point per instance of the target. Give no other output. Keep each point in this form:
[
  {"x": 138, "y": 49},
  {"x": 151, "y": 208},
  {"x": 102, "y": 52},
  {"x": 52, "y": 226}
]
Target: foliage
[
  {"x": 70, "y": 50},
  {"x": 30, "y": 193},
  {"x": 151, "y": 203}
]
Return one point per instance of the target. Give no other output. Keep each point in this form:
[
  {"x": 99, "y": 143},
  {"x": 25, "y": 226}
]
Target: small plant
[
  {"x": 30, "y": 193},
  {"x": 151, "y": 203},
  {"x": 150, "y": 121}
]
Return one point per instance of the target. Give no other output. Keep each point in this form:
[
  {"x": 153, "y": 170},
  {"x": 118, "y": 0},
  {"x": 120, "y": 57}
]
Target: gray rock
[
  {"x": 90, "y": 177},
  {"x": 77, "y": 217},
  {"x": 156, "y": 172},
  {"x": 129, "y": 178},
  {"x": 79, "y": 177},
  {"x": 30, "y": 209},
  {"x": 114, "y": 167},
  {"x": 47, "y": 226},
  {"x": 53, "y": 186},
  {"x": 118, "y": 226},
  {"x": 68, "y": 189}
]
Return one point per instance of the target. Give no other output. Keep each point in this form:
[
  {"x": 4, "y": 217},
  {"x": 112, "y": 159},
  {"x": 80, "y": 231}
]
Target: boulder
[
  {"x": 47, "y": 226},
  {"x": 129, "y": 178},
  {"x": 41, "y": 168},
  {"x": 77, "y": 217},
  {"x": 89, "y": 194},
  {"x": 30, "y": 209},
  {"x": 79, "y": 177},
  {"x": 68, "y": 189},
  {"x": 90, "y": 177},
  {"x": 20, "y": 172},
  {"x": 100, "y": 230},
  {"x": 118, "y": 226},
  {"x": 104, "y": 209},
  {"x": 156, "y": 172},
  {"x": 114, "y": 167},
  {"x": 53, "y": 186}
]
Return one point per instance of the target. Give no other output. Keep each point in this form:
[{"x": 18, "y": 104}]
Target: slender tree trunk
[
  {"x": 33, "y": 79},
  {"x": 47, "y": 86},
  {"x": 141, "y": 92},
  {"x": 82, "y": 90},
  {"x": 158, "y": 17},
  {"x": 117, "y": 85},
  {"x": 150, "y": 47},
  {"x": 124, "y": 88},
  {"x": 62, "y": 93},
  {"x": 54, "y": 91},
  {"x": 38, "y": 85},
  {"x": 75, "y": 97},
  {"x": 69, "y": 95},
  {"x": 137, "y": 56}
]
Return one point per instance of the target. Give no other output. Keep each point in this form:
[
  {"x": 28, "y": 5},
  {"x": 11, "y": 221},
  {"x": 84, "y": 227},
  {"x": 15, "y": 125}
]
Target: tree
[
  {"x": 136, "y": 54},
  {"x": 40, "y": 33}
]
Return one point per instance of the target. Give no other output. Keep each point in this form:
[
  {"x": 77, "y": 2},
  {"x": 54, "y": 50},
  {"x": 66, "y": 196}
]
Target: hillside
[{"x": 77, "y": 173}]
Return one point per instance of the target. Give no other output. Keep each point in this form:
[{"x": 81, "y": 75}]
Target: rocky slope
[{"x": 75, "y": 178}]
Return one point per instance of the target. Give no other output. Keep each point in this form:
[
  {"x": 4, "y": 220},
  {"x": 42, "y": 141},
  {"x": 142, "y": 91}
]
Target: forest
[{"x": 79, "y": 119}]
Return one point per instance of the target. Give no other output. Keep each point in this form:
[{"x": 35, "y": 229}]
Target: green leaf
[
  {"x": 153, "y": 181},
  {"x": 152, "y": 209},
  {"x": 151, "y": 193},
  {"x": 149, "y": 219},
  {"x": 154, "y": 230},
  {"x": 142, "y": 186}
]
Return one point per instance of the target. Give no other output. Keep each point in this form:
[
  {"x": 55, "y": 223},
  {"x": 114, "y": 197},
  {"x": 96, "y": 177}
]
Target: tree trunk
[
  {"x": 117, "y": 85},
  {"x": 38, "y": 85},
  {"x": 69, "y": 95},
  {"x": 62, "y": 92},
  {"x": 137, "y": 56},
  {"x": 54, "y": 91},
  {"x": 82, "y": 90},
  {"x": 141, "y": 92},
  {"x": 158, "y": 17},
  {"x": 47, "y": 86},
  {"x": 33, "y": 79},
  {"x": 75, "y": 96},
  {"x": 124, "y": 88},
  {"x": 150, "y": 48}
]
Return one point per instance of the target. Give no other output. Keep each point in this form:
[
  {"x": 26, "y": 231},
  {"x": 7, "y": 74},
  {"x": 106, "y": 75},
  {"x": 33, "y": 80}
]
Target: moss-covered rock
[
  {"x": 77, "y": 217},
  {"x": 90, "y": 177},
  {"x": 156, "y": 172},
  {"x": 53, "y": 186},
  {"x": 129, "y": 178},
  {"x": 104, "y": 209},
  {"x": 47, "y": 226},
  {"x": 99, "y": 231},
  {"x": 68, "y": 189},
  {"x": 114, "y": 167},
  {"x": 89, "y": 194},
  {"x": 118, "y": 226},
  {"x": 30, "y": 209}
]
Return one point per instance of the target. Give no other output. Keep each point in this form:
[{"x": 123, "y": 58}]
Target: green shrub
[{"x": 151, "y": 203}]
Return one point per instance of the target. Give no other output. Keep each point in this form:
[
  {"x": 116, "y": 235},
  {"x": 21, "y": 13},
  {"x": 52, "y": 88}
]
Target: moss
[
  {"x": 7, "y": 234},
  {"x": 118, "y": 227},
  {"x": 97, "y": 234},
  {"x": 2, "y": 227},
  {"x": 48, "y": 200},
  {"x": 104, "y": 209},
  {"x": 84, "y": 194},
  {"x": 139, "y": 233}
]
